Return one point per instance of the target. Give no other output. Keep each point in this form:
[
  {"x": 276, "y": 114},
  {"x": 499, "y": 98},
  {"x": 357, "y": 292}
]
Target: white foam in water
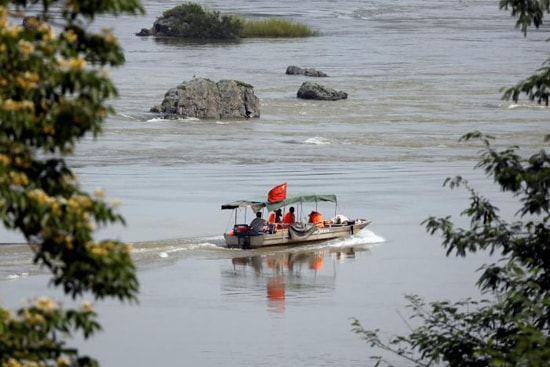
[
  {"x": 17, "y": 276},
  {"x": 160, "y": 119},
  {"x": 514, "y": 106},
  {"x": 155, "y": 119},
  {"x": 361, "y": 238},
  {"x": 317, "y": 140}
]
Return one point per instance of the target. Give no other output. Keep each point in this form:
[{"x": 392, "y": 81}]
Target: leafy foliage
[
  {"x": 53, "y": 91},
  {"x": 513, "y": 329},
  {"x": 530, "y": 13}
]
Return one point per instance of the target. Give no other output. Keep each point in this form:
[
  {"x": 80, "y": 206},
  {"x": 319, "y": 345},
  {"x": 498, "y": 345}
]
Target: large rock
[
  {"x": 193, "y": 21},
  {"x": 205, "y": 99},
  {"x": 310, "y": 90},
  {"x": 295, "y": 70}
]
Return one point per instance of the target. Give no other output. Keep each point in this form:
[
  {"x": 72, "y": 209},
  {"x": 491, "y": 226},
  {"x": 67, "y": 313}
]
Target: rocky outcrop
[
  {"x": 193, "y": 21},
  {"x": 310, "y": 90},
  {"x": 205, "y": 99},
  {"x": 295, "y": 70}
]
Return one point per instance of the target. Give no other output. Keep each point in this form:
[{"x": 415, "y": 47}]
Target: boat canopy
[
  {"x": 290, "y": 199},
  {"x": 255, "y": 205},
  {"x": 300, "y": 198}
]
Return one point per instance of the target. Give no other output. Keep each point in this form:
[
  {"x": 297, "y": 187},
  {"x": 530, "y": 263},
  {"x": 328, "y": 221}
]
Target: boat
[{"x": 299, "y": 233}]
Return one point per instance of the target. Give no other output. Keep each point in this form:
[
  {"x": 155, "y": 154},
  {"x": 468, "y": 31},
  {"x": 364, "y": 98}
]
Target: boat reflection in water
[{"x": 286, "y": 276}]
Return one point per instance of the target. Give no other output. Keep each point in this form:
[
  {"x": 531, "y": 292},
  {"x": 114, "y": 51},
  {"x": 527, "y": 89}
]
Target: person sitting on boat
[
  {"x": 289, "y": 217},
  {"x": 274, "y": 221},
  {"x": 257, "y": 225},
  {"x": 317, "y": 219},
  {"x": 275, "y": 217}
]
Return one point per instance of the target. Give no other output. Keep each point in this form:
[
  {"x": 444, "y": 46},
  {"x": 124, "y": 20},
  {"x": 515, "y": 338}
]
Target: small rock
[
  {"x": 295, "y": 70},
  {"x": 310, "y": 90}
]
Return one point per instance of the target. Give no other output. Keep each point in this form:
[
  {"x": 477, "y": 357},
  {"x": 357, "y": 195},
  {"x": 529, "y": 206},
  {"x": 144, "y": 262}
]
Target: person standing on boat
[
  {"x": 257, "y": 225},
  {"x": 289, "y": 217}
]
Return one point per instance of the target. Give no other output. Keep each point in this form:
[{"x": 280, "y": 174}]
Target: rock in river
[
  {"x": 202, "y": 98},
  {"x": 310, "y": 90},
  {"x": 295, "y": 70}
]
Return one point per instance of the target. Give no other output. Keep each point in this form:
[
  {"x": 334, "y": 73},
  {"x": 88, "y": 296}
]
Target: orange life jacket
[
  {"x": 289, "y": 218},
  {"x": 317, "y": 219}
]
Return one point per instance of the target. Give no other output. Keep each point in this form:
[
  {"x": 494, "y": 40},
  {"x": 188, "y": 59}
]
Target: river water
[{"x": 419, "y": 74}]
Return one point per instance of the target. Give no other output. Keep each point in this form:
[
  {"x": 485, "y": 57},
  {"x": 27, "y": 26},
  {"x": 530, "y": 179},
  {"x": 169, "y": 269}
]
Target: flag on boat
[{"x": 277, "y": 193}]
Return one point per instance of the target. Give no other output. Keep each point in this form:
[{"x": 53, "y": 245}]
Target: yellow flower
[
  {"x": 25, "y": 48},
  {"x": 45, "y": 304},
  {"x": 27, "y": 80},
  {"x": 18, "y": 179},
  {"x": 48, "y": 130},
  {"x": 86, "y": 306},
  {"x": 11, "y": 31},
  {"x": 99, "y": 193},
  {"x": 108, "y": 36},
  {"x": 39, "y": 195},
  {"x": 33, "y": 22},
  {"x": 48, "y": 33},
  {"x": 91, "y": 226},
  {"x": 108, "y": 245},
  {"x": 32, "y": 364},
  {"x": 11, "y": 363},
  {"x": 4, "y": 160},
  {"x": 70, "y": 35},
  {"x": 75, "y": 63},
  {"x": 11, "y": 105},
  {"x": 56, "y": 209},
  {"x": 115, "y": 203},
  {"x": 22, "y": 162},
  {"x": 62, "y": 362},
  {"x": 98, "y": 251},
  {"x": 33, "y": 318}
]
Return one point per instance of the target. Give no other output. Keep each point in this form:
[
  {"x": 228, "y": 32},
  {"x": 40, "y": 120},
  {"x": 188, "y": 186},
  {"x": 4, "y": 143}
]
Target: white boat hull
[{"x": 246, "y": 240}]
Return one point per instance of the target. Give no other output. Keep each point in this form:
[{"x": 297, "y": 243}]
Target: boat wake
[
  {"x": 365, "y": 237},
  {"x": 16, "y": 260}
]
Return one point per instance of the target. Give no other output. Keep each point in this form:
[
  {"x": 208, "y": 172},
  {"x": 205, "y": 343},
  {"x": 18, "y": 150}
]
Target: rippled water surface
[{"x": 419, "y": 74}]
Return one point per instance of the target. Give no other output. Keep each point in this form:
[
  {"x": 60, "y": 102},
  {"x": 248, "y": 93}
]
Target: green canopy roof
[
  {"x": 300, "y": 198},
  {"x": 257, "y": 205}
]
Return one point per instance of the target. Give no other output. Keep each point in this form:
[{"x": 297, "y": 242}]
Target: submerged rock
[
  {"x": 295, "y": 70},
  {"x": 310, "y": 90},
  {"x": 202, "y": 98}
]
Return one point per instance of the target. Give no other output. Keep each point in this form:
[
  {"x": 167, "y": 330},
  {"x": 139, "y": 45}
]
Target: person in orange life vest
[
  {"x": 289, "y": 217},
  {"x": 275, "y": 217},
  {"x": 317, "y": 219}
]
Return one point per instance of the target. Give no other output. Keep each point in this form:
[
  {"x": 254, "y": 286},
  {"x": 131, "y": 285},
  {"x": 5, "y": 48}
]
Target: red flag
[{"x": 277, "y": 193}]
